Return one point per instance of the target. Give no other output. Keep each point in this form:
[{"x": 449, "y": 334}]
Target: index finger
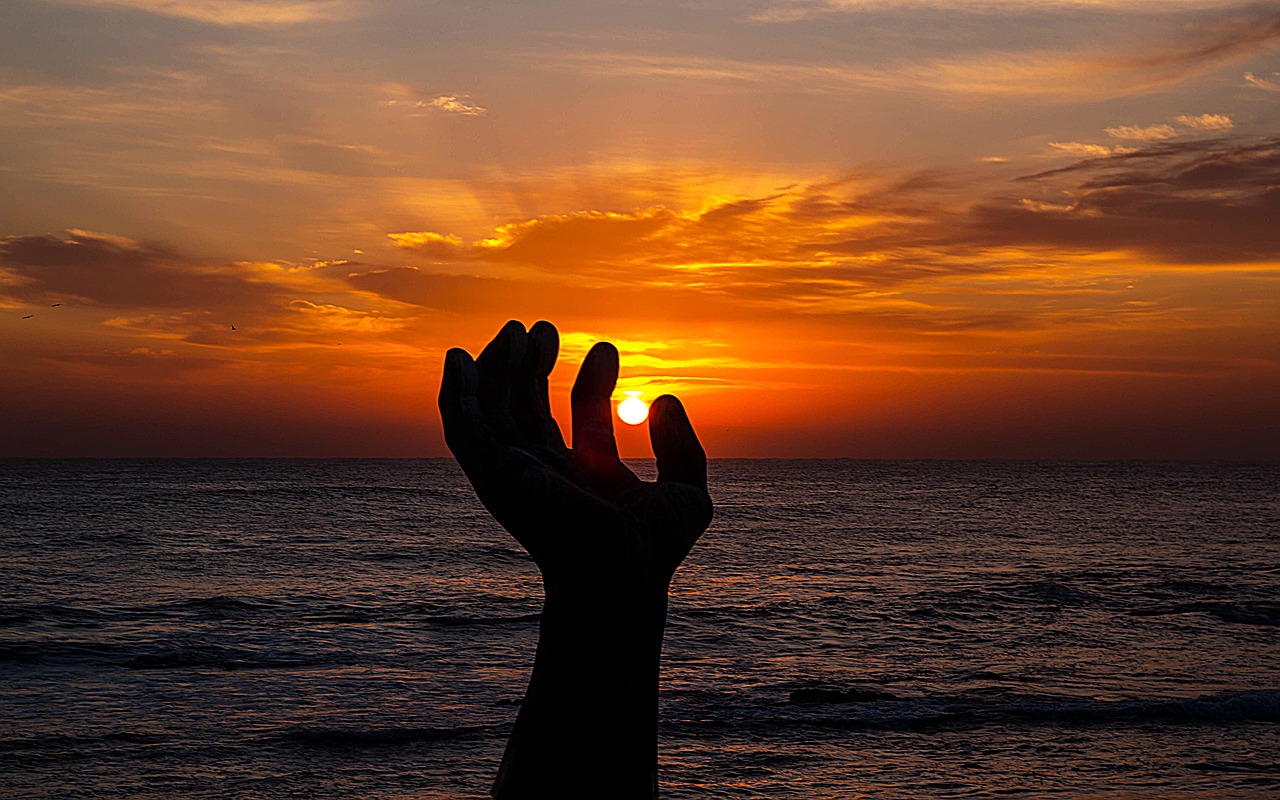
[
  {"x": 591, "y": 405},
  {"x": 676, "y": 448},
  {"x": 465, "y": 431}
]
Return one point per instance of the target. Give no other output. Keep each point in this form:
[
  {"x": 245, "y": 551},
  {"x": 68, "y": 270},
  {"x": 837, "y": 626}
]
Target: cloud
[
  {"x": 1207, "y": 122},
  {"x": 144, "y": 361},
  {"x": 431, "y": 244},
  {"x": 454, "y": 104},
  {"x": 1066, "y": 74},
  {"x": 118, "y": 272},
  {"x": 159, "y": 292},
  {"x": 1195, "y": 201},
  {"x": 1265, "y": 84},
  {"x": 1209, "y": 201},
  {"x": 236, "y": 13},
  {"x": 904, "y": 252},
  {"x": 782, "y": 11},
  {"x": 157, "y": 99},
  {"x": 1137, "y": 133},
  {"x": 579, "y": 238},
  {"x": 1081, "y": 149},
  {"x": 318, "y": 156}
]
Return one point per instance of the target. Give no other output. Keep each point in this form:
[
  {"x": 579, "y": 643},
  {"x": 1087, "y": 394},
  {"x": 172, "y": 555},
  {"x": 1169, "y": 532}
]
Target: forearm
[{"x": 588, "y": 724}]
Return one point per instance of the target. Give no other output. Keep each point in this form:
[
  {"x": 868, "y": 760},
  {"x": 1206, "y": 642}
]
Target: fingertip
[
  {"x": 604, "y": 359},
  {"x": 545, "y": 340},
  {"x": 666, "y": 405},
  {"x": 590, "y": 401},
  {"x": 676, "y": 447},
  {"x": 458, "y": 378},
  {"x": 507, "y": 347},
  {"x": 604, "y": 350},
  {"x": 599, "y": 371},
  {"x": 669, "y": 426},
  {"x": 456, "y": 357}
]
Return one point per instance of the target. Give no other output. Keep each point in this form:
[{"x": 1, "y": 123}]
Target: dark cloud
[
  {"x": 429, "y": 290},
  {"x": 1214, "y": 201},
  {"x": 1217, "y": 39},
  {"x": 120, "y": 273},
  {"x": 154, "y": 363}
]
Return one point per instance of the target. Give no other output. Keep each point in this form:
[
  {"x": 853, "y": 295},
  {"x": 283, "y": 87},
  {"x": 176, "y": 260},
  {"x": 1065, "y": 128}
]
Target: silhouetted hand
[{"x": 606, "y": 542}]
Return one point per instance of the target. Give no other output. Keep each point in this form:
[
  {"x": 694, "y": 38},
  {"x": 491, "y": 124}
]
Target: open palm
[
  {"x": 606, "y": 542},
  {"x": 579, "y": 511}
]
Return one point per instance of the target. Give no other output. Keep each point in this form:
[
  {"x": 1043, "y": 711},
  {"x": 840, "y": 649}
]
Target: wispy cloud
[
  {"x": 154, "y": 99},
  {"x": 456, "y": 104},
  {"x": 796, "y": 10},
  {"x": 157, "y": 291},
  {"x": 1271, "y": 84},
  {"x": 877, "y": 249},
  {"x": 1139, "y": 133},
  {"x": 1068, "y": 75},
  {"x": 235, "y": 13},
  {"x": 1184, "y": 201},
  {"x": 114, "y": 271},
  {"x": 1203, "y": 123},
  {"x": 1085, "y": 149},
  {"x": 1216, "y": 123}
]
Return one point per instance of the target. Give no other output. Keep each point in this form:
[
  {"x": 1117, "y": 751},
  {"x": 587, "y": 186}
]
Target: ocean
[{"x": 845, "y": 629}]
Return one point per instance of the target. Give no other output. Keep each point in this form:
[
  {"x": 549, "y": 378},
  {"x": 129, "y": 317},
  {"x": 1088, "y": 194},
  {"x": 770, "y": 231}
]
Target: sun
[{"x": 633, "y": 410}]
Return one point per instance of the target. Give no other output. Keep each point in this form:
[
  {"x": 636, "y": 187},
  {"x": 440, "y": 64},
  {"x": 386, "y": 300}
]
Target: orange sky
[{"x": 897, "y": 229}]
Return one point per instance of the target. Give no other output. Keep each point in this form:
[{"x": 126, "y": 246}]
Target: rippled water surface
[{"x": 362, "y": 629}]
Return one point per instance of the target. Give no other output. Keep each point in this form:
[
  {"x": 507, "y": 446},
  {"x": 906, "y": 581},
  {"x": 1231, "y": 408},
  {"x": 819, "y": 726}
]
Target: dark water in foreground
[{"x": 361, "y": 629}]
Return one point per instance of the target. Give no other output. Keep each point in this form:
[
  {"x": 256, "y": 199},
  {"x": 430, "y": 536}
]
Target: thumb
[{"x": 676, "y": 447}]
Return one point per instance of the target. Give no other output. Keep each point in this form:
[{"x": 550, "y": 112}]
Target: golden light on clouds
[{"x": 260, "y": 238}]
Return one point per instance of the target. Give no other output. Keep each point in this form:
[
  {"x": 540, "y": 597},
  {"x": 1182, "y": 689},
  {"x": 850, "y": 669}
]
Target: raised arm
[{"x": 607, "y": 545}]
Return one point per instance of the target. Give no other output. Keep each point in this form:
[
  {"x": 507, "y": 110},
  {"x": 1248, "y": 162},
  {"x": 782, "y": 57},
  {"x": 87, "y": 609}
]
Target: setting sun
[
  {"x": 1019, "y": 245},
  {"x": 633, "y": 410}
]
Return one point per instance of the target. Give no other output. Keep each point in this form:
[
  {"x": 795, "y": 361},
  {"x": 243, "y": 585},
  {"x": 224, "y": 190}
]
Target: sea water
[{"x": 845, "y": 629}]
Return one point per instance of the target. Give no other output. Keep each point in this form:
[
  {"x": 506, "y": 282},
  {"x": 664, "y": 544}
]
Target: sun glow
[{"x": 633, "y": 410}]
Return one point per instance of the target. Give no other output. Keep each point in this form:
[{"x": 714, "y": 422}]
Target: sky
[{"x": 833, "y": 228}]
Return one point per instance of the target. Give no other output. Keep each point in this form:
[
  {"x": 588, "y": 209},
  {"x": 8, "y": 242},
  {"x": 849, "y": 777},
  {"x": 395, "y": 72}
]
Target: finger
[
  {"x": 592, "y": 410},
  {"x": 465, "y": 431},
  {"x": 498, "y": 366},
  {"x": 676, "y": 447},
  {"x": 530, "y": 402}
]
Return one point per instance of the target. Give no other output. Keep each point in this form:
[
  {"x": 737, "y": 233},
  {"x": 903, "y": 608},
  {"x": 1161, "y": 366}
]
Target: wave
[
  {"x": 224, "y": 607},
  {"x": 862, "y": 708},
  {"x": 745, "y": 611},
  {"x": 152, "y": 655},
  {"x": 202, "y": 656},
  {"x": 13, "y": 615},
  {"x": 96, "y": 615},
  {"x": 1244, "y": 612},
  {"x": 58, "y": 741},
  {"x": 851, "y": 695},
  {"x": 55, "y": 651},
  {"x": 1005, "y": 596},
  {"x": 455, "y": 620},
  {"x": 222, "y": 603},
  {"x": 377, "y": 737}
]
